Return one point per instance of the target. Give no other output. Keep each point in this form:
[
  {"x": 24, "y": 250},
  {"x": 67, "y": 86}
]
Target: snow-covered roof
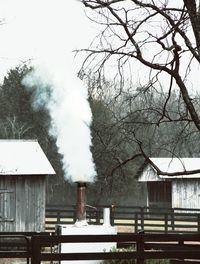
[
  {"x": 171, "y": 165},
  {"x": 23, "y": 157}
]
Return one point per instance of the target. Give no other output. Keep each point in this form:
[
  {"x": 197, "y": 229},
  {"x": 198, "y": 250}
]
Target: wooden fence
[
  {"x": 17, "y": 244},
  {"x": 167, "y": 220},
  {"x": 182, "y": 247}
]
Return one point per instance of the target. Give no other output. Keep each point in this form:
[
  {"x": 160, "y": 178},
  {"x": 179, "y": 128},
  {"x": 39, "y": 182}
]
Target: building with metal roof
[
  {"x": 182, "y": 191},
  {"x": 23, "y": 170}
]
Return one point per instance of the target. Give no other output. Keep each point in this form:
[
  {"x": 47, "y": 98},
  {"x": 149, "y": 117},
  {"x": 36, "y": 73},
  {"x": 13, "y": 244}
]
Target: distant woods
[
  {"x": 150, "y": 50},
  {"x": 131, "y": 125},
  {"x": 125, "y": 128},
  {"x": 18, "y": 120}
]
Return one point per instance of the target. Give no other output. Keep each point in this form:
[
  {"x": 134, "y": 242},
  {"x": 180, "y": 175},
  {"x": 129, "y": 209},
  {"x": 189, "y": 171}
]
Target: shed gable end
[{"x": 148, "y": 174}]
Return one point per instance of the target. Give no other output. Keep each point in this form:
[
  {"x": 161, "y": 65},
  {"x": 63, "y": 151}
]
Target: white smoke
[
  {"x": 58, "y": 89},
  {"x": 48, "y": 31},
  {"x": 49, "y": 34}
]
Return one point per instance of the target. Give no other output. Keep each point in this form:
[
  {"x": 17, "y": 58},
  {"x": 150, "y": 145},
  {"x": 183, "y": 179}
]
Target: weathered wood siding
[
  {"x": 149, "y": 174},
  {"x": 186, "y": 193},
  {"x": 22, "y": 203}
]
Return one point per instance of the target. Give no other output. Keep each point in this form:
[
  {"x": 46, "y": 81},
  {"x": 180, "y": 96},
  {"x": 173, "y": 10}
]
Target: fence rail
[
  {"x": 167, "y": 220},
  {"x": 17, "y": 244},
  {"x": 175, "y": 247}
]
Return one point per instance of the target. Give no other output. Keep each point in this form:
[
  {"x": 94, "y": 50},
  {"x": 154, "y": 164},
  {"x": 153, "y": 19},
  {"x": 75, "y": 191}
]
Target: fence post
[
  {"x": 58, "y": 218},
  {"x": 98, "y": 216},
  {"x": 198, "y": 222},
  {"x": 142, "y": 218},
  {"x": 36, "y": 250},
  {"x": 140, "y": 249},
  {"x": 172, "y": 219},
  {"x": 112, "y": 214},
  {"x": 136, "y": 222},
  {"x": 74, "y": 214},
  {"x": 166, "y": 223}
]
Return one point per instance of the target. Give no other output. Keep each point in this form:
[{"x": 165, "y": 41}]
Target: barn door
[
  {"x": 159, "y": 194},
  {"x": 6, "y": 210}
]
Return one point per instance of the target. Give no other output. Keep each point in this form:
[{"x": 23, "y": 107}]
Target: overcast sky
[
  {"x": 41, "y": 28},
  {"x": 47, "y": 31}
]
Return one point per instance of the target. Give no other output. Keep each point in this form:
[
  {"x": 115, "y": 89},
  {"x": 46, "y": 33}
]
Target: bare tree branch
[{"x": 164, "y": 39}]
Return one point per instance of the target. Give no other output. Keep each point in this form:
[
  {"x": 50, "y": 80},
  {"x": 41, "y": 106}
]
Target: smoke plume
[
  {"x": 56, "y": 87},
  {"x": 47, "y": 32}
]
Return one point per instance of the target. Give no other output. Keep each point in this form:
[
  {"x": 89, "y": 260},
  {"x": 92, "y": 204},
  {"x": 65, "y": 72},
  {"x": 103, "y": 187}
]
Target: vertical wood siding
[
  {"x": 22, "y": 203},
  {"x": 186, "y": 193}
]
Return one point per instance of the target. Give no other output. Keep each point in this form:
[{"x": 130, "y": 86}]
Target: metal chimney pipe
[{"x": 81, "y": 202}]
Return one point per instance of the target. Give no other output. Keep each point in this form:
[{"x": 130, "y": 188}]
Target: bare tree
[
  {"x": 161, "y": 39},
  {"x": 13, "y": 128}
]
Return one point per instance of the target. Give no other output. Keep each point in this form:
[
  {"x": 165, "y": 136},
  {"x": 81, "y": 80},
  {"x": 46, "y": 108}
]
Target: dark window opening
[{"x": 159, "y": 194}]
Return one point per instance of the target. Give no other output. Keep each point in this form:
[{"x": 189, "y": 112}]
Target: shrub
[{"x": 132, "y": 261}]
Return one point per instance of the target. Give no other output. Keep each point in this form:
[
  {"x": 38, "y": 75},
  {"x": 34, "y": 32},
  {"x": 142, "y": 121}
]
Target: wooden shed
[
  {"x": 175, "y": 191},
  {"x": 23, "y": 169}
]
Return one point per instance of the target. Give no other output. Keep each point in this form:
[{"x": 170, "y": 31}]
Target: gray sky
[
  {"x": 41, "y": 29},
  {"x": 47, "y": 31}
]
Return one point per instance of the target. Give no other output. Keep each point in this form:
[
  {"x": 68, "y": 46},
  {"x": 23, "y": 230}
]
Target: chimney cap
[{"x": 81, "y": 183}]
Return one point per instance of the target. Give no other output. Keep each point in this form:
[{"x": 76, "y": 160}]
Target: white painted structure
[
  {"x": 175, "y": 191},
  {"x": 87, "y": 247},
  {"x": 105, "y": 229},
  {"x": 106, "y": 217}
]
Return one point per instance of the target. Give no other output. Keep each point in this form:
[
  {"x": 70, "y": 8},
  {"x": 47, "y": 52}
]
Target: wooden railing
[
  {"x": 17, "y": 244},
  {"x": 167, "y": 220},
  {"x": 141, "y": 247},
  {"x": 173, "y": 247}
]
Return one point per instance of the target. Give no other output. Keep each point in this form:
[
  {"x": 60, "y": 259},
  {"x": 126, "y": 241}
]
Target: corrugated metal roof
[
  {"x": 23, "y": 157},
  {"x": 172, "y": 165}
]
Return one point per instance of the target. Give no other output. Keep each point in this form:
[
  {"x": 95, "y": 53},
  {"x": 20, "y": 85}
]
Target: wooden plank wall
[
  {"x": 22, "y": 203},
  {"x": 185, "y": 193}
]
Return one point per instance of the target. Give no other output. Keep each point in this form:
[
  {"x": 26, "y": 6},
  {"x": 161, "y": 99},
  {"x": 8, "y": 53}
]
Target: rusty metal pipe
[{"x": 81, "y": 202}]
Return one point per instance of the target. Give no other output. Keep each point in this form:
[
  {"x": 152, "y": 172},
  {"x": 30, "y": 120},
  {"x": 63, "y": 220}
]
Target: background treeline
[{"x": 126, "y": 126}]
